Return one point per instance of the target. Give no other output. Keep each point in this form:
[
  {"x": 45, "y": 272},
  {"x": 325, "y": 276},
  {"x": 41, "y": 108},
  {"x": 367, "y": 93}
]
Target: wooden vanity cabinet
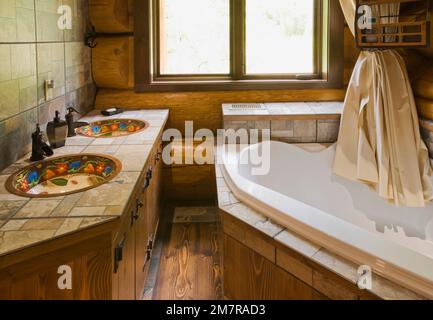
[
  {"x": 148, "y": 208},
  {"x": 33, "y": 273},
  {"x": 107, "y": 261},
  {"x": 134, "y": 243}
]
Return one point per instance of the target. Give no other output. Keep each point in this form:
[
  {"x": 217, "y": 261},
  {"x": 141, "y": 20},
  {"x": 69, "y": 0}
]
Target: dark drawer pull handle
[
  {"x": 149, "y": 174},
  {"x": 150, "y": 245},
  {"x": 118, "y": 253},
  {"x": 158, "y": 156},
  {"x": 149, "y": 250},
  {"x": 136, "y": 212},
  {"x": 147, "y": 179}
]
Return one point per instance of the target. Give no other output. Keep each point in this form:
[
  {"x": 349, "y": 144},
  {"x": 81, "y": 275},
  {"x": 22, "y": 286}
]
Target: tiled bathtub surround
[
  {"x": 296, "y": 122},
  {"x": 33, "y": 49},
  {"x": 348, "y": 270}
]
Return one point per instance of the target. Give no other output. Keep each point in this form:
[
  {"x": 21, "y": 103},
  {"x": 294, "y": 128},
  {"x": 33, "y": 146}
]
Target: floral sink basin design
[
  {"x": 63, "y": 175},
  {"x": 112, "y": 128}
]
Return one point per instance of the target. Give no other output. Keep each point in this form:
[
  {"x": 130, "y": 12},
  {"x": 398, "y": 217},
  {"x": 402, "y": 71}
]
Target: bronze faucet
[
  {"x": 72, "y": 124},
  {"x": 40, "y": 149}
]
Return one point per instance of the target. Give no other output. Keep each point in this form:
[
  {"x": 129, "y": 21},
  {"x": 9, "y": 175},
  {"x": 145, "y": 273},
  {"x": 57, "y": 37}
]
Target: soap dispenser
[
  {"x": 56, "y": 132},
  {"x": 70, "y": 121}
]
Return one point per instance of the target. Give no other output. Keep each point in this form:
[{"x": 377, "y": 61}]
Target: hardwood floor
[{"x": 189, "y": 267}]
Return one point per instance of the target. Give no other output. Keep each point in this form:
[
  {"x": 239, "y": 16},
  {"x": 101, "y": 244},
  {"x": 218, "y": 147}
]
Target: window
[
  {"x": 194, "y": 37},
  {"x": 280, "y": 37},
  {"x": 237, "y": 44}
]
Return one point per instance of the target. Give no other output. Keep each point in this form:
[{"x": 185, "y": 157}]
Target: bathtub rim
[{"x": 398, "y": 272}]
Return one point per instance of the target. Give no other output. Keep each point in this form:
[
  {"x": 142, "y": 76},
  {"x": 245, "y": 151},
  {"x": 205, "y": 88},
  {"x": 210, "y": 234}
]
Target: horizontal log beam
[
  {"x": 112, "y": 16},
  {"x": 113, "y": 62},
  {"x": 425, "y": 108},
  {"x": 423, "y": 89}
]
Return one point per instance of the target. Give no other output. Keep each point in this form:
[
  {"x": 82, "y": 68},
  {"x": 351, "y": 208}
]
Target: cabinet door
[
  {"x": 150, "y": 204},
  {"x": 249, "y": 276},
  {"x": 154, "y": 193},
  {"x": 37, "y": 278},
  {"x": 158, "y": 187},
  {"x": 126, "y": 267},
  {"x": 142, "y": 253}
]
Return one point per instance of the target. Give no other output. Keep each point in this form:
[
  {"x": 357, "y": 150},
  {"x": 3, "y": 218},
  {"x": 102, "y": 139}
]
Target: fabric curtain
[{"x": 379, "y": 142}]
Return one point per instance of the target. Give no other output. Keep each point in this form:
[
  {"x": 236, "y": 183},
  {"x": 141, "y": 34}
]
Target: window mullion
[
  {"x": 238, "y": 38},
  {"x": 318, "y": 34}
]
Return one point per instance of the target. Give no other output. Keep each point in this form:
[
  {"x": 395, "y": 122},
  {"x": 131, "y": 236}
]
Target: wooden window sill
[{"x": 236, "y": 85}]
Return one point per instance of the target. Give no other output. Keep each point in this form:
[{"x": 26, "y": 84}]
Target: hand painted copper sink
[
  {"x": 63, "y": 175},
  {"x": 112, "y": 128}
]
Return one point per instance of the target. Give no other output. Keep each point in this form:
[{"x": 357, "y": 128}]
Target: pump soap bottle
[{"x": 57, "y": 131}]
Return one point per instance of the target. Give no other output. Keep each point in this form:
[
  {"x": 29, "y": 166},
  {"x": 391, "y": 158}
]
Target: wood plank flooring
[{"x": 189, "y": 266}]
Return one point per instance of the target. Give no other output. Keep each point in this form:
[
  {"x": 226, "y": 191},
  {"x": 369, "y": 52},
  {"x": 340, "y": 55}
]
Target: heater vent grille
[{"x": 247, "y": 106}]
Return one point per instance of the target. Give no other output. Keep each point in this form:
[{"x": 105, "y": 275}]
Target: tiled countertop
[
  {"x": 25, "y": 222},
  {"x": 228, "y": 202}
]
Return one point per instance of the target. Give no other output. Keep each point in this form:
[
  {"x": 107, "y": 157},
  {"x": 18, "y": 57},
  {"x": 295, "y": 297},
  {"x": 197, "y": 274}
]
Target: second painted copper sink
[
  {"x": 63, "y": 175},
  {"x": 112, "y": 128}
]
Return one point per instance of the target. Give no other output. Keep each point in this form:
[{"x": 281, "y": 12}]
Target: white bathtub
[{"x": 301, "y": 193}]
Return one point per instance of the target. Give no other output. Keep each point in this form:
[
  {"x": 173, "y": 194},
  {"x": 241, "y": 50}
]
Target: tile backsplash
[{"x": 34, "y": 49}]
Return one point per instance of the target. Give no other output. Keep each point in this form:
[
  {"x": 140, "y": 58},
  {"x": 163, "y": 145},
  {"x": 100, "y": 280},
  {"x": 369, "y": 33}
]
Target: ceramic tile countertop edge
[
  {"x": 287, "y": 111},
  {"x": 18, "y": 235},
  {"x": 26, "y": 222},
  {"x": 227, "y": 202}
]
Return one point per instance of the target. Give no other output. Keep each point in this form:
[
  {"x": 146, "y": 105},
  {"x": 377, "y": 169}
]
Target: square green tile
[
  {"x": 23, "y": 58},
  {"x": 47, "y": 18},
  {"x": 5, "y": 62},
  {"x": 28, "y": 93},
  {"x": 26, "y": 25},
  {"x": 8, "y": 30},
  {"x": 7, "y": 9},
  {"x": 9, "y": 98}
]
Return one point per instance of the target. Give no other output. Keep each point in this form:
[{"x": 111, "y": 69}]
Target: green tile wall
[{"x": 33, "y": 49}]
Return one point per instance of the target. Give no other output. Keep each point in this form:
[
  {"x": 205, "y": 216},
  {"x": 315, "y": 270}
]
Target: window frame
[{"x": 329, "y": 73}]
